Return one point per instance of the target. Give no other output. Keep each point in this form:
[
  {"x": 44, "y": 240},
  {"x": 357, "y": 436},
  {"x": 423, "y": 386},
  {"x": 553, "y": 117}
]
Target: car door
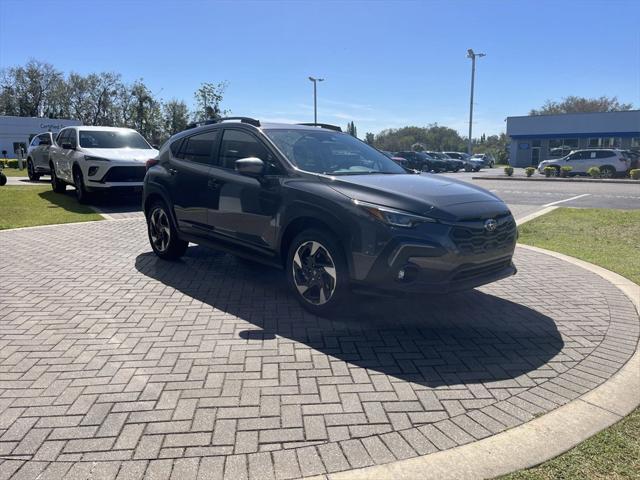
[
  {"x": 41, "y": 157},
  {"x": 56, "y": 151},
  {"x": 190, "y": 189},
  {"x": 246, "y": 207},
  {"x": 579, "y": 162},
  {"x": 69, "y": 155}
]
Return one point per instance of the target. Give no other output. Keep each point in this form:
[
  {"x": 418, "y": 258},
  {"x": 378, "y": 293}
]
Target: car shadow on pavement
[
  {"x": 468, "y": 337},
  {"x": 102, "y": 202}
]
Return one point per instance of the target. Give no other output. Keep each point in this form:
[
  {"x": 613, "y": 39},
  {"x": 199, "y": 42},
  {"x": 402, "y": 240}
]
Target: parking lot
[{"x": 117, "y": 363}]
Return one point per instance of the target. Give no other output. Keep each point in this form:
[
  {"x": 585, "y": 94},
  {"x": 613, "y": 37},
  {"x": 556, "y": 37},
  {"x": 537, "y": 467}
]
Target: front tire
[
  {"x": 3, "y": 179},
  {"x": 82, "y": 194},
  {"x": 317, "y": 272},
  {"x": 31, "y": 171},
  {"x": 56, "y": 184},
  {"x": 163, "y": 235}
]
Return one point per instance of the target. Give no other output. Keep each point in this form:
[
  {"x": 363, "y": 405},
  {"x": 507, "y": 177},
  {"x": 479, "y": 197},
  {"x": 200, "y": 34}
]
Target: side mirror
[
  {"x": 67, "y": 146},
  {"x": 250, "y": 166}
]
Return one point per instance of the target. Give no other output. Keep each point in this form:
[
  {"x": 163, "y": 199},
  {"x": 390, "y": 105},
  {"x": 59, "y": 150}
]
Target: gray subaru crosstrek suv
[{"x": 336, "y": 214}]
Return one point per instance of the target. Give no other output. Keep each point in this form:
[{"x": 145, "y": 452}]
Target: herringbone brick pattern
[{"x": 114, "y": 364}]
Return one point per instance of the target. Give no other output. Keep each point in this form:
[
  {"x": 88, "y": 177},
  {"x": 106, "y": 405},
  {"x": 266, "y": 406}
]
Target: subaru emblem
[{"x": 490, "y": 225}]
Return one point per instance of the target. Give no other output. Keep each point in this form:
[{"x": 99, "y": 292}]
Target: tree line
[
  {"x": 438, "y": 138},
  {"x": 37, "y": 89}
]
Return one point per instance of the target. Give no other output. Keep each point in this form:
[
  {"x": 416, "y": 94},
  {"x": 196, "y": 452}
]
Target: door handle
[
  {"x": 173, "y": 171},
  {"x": 213, "y": 183}
]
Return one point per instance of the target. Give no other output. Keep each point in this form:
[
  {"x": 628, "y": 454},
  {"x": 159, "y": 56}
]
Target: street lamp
[
  {"x": 472, "y": 55},
  {"x": 315, "y": 97}
]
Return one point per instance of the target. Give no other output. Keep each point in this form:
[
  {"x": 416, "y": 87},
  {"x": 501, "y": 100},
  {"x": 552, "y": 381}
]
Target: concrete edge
[
  {"x": 538, "y": 440},
  {"x": 111, "y": 219},
  {"x": 556, "y": 179}
]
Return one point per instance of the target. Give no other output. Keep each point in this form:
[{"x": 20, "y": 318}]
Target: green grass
[
  {"x": 29, "y": 206},
  {"x": 14, "y": 172},
  {"x": 608, "y": 238}
]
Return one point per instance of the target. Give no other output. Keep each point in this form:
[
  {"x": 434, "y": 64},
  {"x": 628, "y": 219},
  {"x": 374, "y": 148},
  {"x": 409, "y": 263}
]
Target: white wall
[{"x": 19, "y": 129}]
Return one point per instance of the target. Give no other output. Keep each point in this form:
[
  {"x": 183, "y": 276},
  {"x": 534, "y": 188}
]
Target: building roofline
[{"x": 572, "y": 113}]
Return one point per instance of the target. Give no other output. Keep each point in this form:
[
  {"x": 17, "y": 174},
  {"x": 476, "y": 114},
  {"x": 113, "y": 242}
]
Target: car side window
[
  {"x": 61, "y": 136},
  {"x": 44, "y": 139},
  {"x": 198, "y": 148},
  {"x": 605, "y": 154},
  {"x": 237, "y": 144}
]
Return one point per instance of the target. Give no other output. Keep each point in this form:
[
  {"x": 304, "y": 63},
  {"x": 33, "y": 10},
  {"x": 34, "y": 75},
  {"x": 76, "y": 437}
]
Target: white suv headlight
[
  {"x": 90, "y": 158},
  {"x": 390, "y": 216}
]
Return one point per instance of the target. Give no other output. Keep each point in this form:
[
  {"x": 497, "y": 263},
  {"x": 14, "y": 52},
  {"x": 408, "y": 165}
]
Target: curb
[
  {"x": 556, "y": 179},
  {"x": 538, "y": 440}
]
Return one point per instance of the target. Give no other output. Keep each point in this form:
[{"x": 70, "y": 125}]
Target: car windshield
[
  {"x": 331, "y": 153},
  {"x": 112, "y": 139}
]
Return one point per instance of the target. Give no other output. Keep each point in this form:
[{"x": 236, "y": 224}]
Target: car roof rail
[
  {"x": 249, "y": 120},
  {"x": 323, "y": 125},
  {"x": 211, "y": 121}
]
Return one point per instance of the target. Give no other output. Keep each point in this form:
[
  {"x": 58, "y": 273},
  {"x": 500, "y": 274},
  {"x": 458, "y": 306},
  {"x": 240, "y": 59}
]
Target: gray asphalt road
[{"x": 564, "y": 194}]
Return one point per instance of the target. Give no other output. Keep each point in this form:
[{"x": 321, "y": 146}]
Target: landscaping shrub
[
  {"x": 529, "y": 171},
  {"x": 565, "y": 171},
  {"x": 594, "y": 172},
  {"x": 508, "y": 171},
  {"x": 549, "y": 171},
  {"x": 635, "y": 174},
  {"x": 13, "y": 163}
]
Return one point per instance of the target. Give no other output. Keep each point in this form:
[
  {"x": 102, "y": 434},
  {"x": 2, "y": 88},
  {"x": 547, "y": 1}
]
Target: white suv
[
  {"x": 96, "y": 159},
  {"x": 610, "y": 162}
]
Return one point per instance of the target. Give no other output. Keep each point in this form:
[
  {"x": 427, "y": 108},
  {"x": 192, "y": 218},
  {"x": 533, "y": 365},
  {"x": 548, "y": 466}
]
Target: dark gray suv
[{"x": 334, "y": 213}]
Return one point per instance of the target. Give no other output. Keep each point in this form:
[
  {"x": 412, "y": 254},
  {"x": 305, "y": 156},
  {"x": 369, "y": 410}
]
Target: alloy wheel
[
  {"x": 314, "y": 273},
  {"x": 159, "y": 229}
]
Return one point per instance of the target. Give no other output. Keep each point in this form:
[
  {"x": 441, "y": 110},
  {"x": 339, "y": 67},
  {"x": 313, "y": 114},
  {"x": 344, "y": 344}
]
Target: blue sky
[{"x": 386, "y": 63}]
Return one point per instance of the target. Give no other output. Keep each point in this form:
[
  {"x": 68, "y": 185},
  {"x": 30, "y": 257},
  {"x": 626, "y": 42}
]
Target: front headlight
[
  {"x": 396, "y": 218},
  {"x": 90, "y": 158}
]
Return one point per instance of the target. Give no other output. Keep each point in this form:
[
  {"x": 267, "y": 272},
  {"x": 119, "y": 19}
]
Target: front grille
[
  {"x": 476, "y": 239},
  {"x": 125, "y": 174},
  {"x": 482, "y": 270}
]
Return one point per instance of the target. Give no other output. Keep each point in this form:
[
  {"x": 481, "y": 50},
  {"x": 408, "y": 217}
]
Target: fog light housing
[
  {"x": 407, "y": 274},
  {"x": 93, "y": 171}
]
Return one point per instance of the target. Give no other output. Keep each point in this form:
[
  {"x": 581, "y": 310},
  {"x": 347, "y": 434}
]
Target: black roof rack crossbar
[
  {"x": 249, "y": 120},
  {"x": 323, "y": 125}
]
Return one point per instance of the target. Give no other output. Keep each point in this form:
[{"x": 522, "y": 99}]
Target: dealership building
[
  {"x": 539, "y": 137},
  {"x": 18, "y": 131}
]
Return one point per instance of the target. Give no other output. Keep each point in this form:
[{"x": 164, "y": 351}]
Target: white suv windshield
[
  {"x": 330, "y": 152},
  {"x": 112, "y": 139}
]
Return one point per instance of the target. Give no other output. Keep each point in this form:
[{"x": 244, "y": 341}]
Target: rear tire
[
  {"x": 317, "y": 272},
  {"x": 607, "y": 171},
  {"x": 56, "y": 184},
  {"x": 163, "y": 235}
]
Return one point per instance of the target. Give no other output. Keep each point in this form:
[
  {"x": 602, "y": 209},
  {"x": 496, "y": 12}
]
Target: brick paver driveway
[{"x": 116, "y": 364}]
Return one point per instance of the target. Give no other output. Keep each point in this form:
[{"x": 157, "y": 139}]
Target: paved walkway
[{"x": 116, "y": 364}]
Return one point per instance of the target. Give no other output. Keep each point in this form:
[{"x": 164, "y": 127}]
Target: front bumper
[{"x": 443, "y": 263}]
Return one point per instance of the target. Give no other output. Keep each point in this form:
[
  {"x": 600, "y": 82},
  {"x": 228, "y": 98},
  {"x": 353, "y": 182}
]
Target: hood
[
  {"x": 138, "y": 155},
  {"x": 440, "y": 197}
]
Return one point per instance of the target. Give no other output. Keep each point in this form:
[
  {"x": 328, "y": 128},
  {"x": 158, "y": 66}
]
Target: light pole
[
  {"x": 472, "y": 55},
  {"x": 315, "y": 97}
]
